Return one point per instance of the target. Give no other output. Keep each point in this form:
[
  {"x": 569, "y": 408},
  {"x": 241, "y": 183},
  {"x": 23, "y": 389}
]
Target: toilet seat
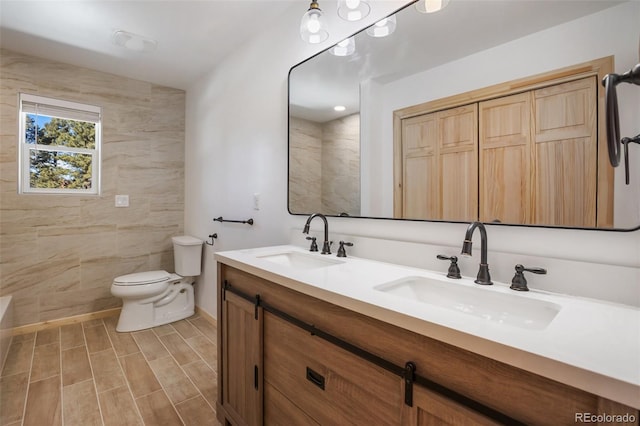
[{"x": 142, "y": 278}]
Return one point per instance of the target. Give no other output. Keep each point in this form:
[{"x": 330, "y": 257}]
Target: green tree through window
[
  {"x": 60, "y": 169},
  {"x": 59, "y": 146}
]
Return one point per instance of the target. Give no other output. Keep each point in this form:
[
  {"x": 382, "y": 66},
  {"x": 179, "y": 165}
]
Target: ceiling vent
[{"x": 134, "y": 42}]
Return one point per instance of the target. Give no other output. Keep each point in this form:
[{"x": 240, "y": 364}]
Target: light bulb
[
  {"x": 353, "y": 10},
  {"x": 313, "y": 24},
  {"x": 312, "y": 28},
  {"x": 383, "y": 27},
  {"x": 431, "y": 6}
]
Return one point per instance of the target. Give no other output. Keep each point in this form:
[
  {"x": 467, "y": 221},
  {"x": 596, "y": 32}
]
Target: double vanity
[{"x": 307, "y": 338}]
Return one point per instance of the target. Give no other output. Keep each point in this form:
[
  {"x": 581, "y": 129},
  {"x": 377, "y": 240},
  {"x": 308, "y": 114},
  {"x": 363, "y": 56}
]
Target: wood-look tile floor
[{"x": 88, "y": 374}]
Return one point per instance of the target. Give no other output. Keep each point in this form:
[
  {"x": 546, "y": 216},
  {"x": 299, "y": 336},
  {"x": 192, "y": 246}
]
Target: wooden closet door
[
  {"x": 505, "y": 159},
  {"x": 458, "y": 162},
  {"x": 420, "y": 188},
  {"x": 565, "y": 138}
]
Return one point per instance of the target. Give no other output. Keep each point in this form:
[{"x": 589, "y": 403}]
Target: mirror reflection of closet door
[
  {"x": 566, "y": 152},
  {"x": 439, "y": 165},
  {"x": 505, "y": 166}
]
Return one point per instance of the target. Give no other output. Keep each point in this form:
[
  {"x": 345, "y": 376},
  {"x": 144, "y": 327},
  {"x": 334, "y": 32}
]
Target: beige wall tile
[{"x": 143, "y": 156}]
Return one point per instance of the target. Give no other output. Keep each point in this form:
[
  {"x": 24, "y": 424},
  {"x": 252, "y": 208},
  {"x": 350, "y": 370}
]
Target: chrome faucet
[
  {"x": 483, "y": 274},
  {"x": 326, "y": 245}
]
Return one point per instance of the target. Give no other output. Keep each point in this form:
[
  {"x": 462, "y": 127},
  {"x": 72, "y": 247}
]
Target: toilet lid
[{"x": 140, "y": 278}]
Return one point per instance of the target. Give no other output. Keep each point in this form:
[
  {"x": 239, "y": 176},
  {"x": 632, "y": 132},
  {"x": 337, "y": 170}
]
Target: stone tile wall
[
  {"x": 60, "y": 253},
  {"x": 324, "y": 166}
]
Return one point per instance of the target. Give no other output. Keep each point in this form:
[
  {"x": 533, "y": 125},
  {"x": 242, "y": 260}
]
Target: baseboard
[
  {"x": 30, "y": 328},
  {"x": 207, "y": 316}
]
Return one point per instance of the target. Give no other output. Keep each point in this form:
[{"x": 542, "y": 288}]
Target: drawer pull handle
[{"x": 315, "y": 378}]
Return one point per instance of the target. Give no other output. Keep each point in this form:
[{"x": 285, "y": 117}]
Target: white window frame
[{"x": 29, "y": 104}]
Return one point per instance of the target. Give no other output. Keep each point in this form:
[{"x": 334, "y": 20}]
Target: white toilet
[{"x": 155, "y": 298}]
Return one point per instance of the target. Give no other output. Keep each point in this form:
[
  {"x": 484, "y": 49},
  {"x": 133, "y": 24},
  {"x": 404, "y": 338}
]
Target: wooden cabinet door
[
  {"x": 420, "y": 182},
  {"x": 327, "y": 384},
  {"x": 505, "y": 159},
  {"x": 432, "y": 409},
  {"x": 458, "y": 162},
  {"x": 566, "y": 162},
  {"x": 241, "y": 360}
]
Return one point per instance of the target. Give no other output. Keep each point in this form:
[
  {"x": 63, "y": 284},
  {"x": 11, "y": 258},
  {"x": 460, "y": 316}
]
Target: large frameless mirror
[{"x": 485, "y": 110}]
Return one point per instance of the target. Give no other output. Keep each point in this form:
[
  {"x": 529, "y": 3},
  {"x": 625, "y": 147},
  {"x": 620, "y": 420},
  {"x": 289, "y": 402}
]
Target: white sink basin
[
  {"x": 297, "y": 260},
  {"x": 513, "y": 309}
]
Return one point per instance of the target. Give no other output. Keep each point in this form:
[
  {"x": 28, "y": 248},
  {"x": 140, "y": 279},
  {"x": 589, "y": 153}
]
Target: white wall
[
  {"x": 236, "y": 138},
  {"x": 613, "y": 31}
]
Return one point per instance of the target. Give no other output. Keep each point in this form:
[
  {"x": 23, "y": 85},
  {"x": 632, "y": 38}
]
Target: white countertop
[{"x": 590, "y": 344}]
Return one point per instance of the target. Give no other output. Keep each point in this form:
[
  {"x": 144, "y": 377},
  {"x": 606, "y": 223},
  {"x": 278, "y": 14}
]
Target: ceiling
[{"x": 192, "y": 36}]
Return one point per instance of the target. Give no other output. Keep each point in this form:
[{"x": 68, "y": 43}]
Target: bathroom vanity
[{"x": 310, "y": 339}]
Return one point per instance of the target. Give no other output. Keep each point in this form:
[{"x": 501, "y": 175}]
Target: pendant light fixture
[
  {"x": 353, "y": 10},
  {"x": 312, "y": 27},
  {"x": 431, "y": 6},
  {"x": 345, "y": 48},
  {"x": 383, "y": 27}
]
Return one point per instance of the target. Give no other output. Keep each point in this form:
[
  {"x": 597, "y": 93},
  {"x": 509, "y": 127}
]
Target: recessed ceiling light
[
  {"x": 134, "y": 42},
  {"x": 339, "y": 108}
]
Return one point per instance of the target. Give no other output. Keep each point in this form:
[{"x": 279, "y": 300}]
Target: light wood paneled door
[
  {"x": 242, "y": 360},
  {"x": 439, "y": 165},
  {"x": 420, "y": 188},
  {"x": 506, "y": 159},
  {"x": 458, "y": 156},
  {"x": 565, "y": 126}
]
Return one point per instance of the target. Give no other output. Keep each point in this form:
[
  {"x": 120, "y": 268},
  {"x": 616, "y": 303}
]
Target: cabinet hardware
[
  {"x": 256, "y": 306},
  {"x": 255, "y": 377},
  {"x": 409, "y": 377},
  {"x": 315, "y": 378}
]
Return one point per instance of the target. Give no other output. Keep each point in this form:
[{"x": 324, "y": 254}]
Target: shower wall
[{"x": 60, "y": 253}]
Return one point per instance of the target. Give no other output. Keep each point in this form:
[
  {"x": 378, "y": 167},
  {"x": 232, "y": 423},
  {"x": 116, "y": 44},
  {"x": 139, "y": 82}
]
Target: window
[{"x": 59, "y": 146}]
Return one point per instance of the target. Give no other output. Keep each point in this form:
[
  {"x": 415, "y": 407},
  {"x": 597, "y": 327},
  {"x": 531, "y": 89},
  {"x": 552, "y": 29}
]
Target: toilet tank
[{"x": 187, "y": 255}]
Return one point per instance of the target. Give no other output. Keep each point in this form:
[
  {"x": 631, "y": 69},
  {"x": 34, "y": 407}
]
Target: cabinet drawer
[
  {"x": 328, "y": 383},
  {"x": 280, "y": 411}
]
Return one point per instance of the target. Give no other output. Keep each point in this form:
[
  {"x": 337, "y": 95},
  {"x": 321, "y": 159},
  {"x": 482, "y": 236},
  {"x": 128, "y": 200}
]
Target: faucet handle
[
  {"x": 314, "y": 245},
  {"x": 454, "y": 270},
  {"x": 519, "y": 282},
  {"x": 341, "y": 251}
]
